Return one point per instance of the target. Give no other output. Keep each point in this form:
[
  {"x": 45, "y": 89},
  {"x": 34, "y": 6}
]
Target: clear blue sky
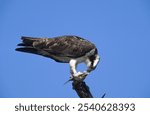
[{"x": 119, "y": 28}]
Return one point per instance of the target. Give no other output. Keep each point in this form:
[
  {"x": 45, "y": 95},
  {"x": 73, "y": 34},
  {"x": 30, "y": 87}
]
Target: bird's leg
[
  {"x": 73, "y": 64},
  {"x": 88, "y": 64},
  {"x": 77, "y": 76}
]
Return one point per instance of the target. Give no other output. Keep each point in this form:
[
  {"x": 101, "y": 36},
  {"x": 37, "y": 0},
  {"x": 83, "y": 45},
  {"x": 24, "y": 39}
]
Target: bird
[{"x": 64, "y": 49}]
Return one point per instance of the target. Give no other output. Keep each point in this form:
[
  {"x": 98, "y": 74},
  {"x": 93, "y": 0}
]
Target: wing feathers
[{"x": 63, "y": 46}]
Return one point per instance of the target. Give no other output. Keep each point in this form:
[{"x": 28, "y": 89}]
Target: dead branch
[{"x": 81, "y": 89}]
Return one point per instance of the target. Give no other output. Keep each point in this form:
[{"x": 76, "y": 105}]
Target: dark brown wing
[
  {"x": 66, "y": 46},
  {"x": 63, "y": 46}
]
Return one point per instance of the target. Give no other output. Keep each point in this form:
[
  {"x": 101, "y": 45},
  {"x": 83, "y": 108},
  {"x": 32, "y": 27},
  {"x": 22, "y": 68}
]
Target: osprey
[{"x": 64, "y": 49}]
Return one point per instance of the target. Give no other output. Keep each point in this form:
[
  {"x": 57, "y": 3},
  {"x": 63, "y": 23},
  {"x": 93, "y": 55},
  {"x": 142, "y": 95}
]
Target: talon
[
  {"x": 86, "y": 72},
  {"x": 77, "y": 74}
]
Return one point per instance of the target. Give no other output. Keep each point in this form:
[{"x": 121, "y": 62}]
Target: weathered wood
[{"x": 81, "y": 89}]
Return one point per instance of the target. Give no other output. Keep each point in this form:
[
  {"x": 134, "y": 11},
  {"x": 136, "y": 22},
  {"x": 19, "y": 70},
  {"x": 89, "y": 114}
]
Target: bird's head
[{"x": 94, "y": 59}]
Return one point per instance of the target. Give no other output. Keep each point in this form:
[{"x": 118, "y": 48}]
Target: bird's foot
[{"x": 79, "y": 76}]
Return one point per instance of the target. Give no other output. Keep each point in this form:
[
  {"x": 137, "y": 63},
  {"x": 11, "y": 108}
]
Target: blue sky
[{"x": 119, "y": 28}]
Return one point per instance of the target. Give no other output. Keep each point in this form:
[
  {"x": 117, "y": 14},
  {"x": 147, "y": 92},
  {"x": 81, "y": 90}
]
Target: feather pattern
[{"x": 57, "y": 47}]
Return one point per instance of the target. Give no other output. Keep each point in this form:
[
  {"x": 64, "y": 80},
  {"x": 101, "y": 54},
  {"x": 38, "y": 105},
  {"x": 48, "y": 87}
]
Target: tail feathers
[
  {"x": 27, "y": 41},
  {"x": 27, "y": 45},
  {"x": 34, "y": 51},
  {"x": 23, "y": 44},
  {"x": 27, "y": 50}
]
